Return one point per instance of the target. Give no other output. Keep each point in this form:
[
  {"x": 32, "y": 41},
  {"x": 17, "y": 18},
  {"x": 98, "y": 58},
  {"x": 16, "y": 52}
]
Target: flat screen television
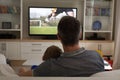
[{"x": 44, "y": 20}]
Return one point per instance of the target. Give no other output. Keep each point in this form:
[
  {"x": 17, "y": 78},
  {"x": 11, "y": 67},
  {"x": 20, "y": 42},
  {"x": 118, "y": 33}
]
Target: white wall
[{"x": 116, "y": 64}]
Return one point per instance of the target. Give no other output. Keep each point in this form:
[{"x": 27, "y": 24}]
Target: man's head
[{"x": 69, "y": 30}]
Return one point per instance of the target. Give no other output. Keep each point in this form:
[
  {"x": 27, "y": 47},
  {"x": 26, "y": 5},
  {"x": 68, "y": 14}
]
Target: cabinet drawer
[
  {"x": 31, "y": 56},
  {"x": 31, "y": 44},
  {"x": 106, "y": 48},
  {"x": 29, "y": 50},
  {"x": 37, "y": 44}
]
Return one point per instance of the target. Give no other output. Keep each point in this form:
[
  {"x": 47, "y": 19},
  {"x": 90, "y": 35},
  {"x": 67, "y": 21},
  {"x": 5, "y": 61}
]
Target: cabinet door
[
  {"x": 57, "y": 43},
  {"x": 10, "y": 19},
  {"x": 13, "y": 50},
  {"x": 107, "y": 48},
  {"x": 35, "y": 50},
  {"x": 98, "y": 18},
  {"x": 91, "y": 46},
  {"x": 3, "y": 48},
  {"x": 31, "y": 50},
  {"x": 82, "y": 44}
]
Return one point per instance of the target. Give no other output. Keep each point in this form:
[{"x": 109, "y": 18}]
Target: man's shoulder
[
  {"x": 91, "y": 51},
  {"x": 43, "y": 69},
  {"x": 48, "y": 62}
]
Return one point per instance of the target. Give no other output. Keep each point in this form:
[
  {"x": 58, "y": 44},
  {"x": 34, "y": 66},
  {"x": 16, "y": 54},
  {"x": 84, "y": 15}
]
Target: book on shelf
[
  {"x": 89, "y": 11},
  {"x": 0, "y": 9},
  {"x": 105, "y": 11},
  {"x": 96, "y": 11},
  {"x": 9, "y": 9},
  {"x": 3, "y": 9},
  {"x": 15, "y": 9}
]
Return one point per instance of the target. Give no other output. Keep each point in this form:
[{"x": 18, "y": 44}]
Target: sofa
[{"x": 7, "y": 71}]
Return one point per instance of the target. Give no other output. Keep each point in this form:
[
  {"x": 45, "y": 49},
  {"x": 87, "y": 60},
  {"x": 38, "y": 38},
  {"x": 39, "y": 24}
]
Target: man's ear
[
  {"x": 58, "y": 36},
  {"x": 80, "y": 34}
]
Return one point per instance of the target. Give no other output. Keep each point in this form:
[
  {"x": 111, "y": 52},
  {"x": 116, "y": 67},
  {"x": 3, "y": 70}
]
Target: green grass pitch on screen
[{"x": 43, "y": 30}]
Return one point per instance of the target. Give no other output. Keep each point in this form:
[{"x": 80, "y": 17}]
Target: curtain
[{"x": 116, "y": 61}]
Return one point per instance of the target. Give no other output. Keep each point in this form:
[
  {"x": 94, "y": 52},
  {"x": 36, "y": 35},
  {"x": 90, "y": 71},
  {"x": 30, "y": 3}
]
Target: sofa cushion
[
  {"x": 112, "y": 73},
  {"x": 6, "y": 70},
  {"x": 2, "y": 59}
]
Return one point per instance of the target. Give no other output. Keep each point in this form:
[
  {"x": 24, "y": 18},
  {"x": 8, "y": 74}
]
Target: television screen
[{"x": 44, "y": 20}]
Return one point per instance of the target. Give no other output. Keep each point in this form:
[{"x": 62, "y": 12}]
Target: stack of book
[
  {"x": 9, "y": 9},
  {"x": 95, "y": 11}
]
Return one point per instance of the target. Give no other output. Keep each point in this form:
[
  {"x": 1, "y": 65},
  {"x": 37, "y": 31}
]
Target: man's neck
[{"x": 71, "y": 48}]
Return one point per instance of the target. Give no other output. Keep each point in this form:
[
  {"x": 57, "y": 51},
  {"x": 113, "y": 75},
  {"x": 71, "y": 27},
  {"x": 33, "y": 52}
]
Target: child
[{"x": 51, "y": 52}]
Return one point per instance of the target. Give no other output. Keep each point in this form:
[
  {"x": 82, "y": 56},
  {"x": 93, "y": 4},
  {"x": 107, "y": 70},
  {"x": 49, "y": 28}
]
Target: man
[{"x": 74, "y": 61}]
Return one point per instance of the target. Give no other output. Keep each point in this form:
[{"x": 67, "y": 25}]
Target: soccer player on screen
[{"x": 57, "y": 11}]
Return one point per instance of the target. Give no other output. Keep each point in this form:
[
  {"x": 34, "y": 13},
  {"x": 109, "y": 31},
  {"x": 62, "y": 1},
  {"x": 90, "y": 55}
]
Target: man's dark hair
[{"x": 69, "y": 30}]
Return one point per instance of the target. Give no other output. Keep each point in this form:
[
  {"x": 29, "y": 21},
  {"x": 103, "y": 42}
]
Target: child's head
[{"x": 52, "y": 52}]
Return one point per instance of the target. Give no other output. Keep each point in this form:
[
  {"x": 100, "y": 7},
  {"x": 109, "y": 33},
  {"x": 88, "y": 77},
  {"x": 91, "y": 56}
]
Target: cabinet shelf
[
  {"x": 98, "y": 31},
  {"x": 98, "y": 15},
  {"x": 10, "y": 12},
  {"x": 95, "y": 3},
  {"x": 10, "y": 30},
  {"x": 87, "y": 18}
]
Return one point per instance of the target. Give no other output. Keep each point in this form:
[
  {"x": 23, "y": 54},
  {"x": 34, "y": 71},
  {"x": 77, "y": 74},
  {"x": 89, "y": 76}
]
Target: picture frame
[{"x": 6, "y": 25}]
